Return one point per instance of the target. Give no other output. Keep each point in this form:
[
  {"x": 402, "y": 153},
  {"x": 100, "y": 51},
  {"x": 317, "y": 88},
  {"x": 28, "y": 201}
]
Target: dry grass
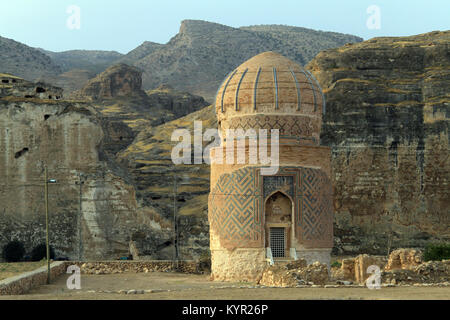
[
  {"x": 7, "y": 75},
  {"x": 195, "y": 206},
  {"x": 34, "y": 100},
  {"x": 13, "y": 269},
  {"x": 354, "y": 80}
]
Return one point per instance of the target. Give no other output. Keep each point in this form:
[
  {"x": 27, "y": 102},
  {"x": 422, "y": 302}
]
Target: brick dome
[{"x": 270, "y": 91}]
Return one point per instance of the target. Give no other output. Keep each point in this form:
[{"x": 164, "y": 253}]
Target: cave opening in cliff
[
  {"x": 40, "y": 90},
  {"x": 21, "y": 153},
  {"x": 46, "y": 117},
  {"x": 5, "y": 81}
]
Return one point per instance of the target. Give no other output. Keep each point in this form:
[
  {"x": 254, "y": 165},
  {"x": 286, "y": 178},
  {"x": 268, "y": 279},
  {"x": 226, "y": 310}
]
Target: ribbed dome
[{"x": 270, "y": 84}]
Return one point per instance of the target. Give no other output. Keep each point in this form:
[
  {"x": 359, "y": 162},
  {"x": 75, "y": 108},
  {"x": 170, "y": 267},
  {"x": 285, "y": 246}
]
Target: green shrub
[
  {"x": 40, "y": 252},
  {"x": 336, "y": 264},
  {"x": 13, "y": 251},
  {"x": 436, "y": 251}
]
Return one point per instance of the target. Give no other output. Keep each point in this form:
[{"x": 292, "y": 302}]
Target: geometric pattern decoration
[
  {"x": 234, "y": 210},
  {"x": 303, "y": 128},
  {"x": 278, "y": 183},
  {"x": 316, "y": 209},
  {"x": 236, "y": 206}
]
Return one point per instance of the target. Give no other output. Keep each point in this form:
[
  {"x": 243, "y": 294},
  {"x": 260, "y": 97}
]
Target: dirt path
[{"x": 184, "y": 286}]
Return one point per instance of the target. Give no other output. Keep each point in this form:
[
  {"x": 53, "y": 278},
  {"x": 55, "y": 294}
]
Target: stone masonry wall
[{"x": 25, "y": 282}]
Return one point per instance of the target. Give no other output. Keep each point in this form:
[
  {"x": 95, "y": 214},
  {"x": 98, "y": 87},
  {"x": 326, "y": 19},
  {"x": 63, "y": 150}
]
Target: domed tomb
[
  {"x": 255, "y": 218},
  {"x": 270, "y": 84}
]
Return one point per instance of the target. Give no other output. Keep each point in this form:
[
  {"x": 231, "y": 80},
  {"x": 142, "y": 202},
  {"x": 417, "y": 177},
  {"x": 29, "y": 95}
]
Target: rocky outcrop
[
  {"x": 117, "y": 94},
  {"x": 387, "y": 123},
  {"x": 116, "y": 81},
  {"x": 176, "y": 102}
]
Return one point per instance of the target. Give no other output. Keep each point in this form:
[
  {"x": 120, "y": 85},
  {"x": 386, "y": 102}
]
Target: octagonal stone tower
[{"x": 256, "y": 220}]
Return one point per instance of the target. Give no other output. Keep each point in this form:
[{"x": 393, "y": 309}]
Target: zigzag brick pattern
[
  {"x": 237, "y": 203},
  {"x": 234, "y": 213},
  {"x": 316, "y": 218}
]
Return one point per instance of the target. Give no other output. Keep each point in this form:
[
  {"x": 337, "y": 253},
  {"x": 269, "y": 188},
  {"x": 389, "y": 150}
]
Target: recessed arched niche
[{"x": 278, "y": 224}]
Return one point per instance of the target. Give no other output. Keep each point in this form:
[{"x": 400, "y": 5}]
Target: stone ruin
[{"x": 403, "y": 266}]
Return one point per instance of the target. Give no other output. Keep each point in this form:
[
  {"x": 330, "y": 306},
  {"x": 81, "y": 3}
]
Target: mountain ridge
[{"x": 196, "y": 59}]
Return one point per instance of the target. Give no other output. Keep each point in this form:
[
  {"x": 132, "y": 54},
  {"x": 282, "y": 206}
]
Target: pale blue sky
[{"x": 123, "y": 25}]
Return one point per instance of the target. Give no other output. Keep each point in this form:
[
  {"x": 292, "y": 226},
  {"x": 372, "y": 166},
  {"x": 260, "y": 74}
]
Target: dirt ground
[{"x": 176, "y": 286}]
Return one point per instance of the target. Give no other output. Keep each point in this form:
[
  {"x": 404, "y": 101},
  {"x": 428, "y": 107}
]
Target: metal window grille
[{"x": 277, "y": 239}]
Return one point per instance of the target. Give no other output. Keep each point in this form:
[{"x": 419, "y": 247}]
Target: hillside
[
  {"x": 26, "y": 62},
  {"x": 305, "y": 43},
  {"x": 146, "y": 48},
  {"x": 204, "y": 52},
  {"x": 94, "y": 61},
  {"x": 70, "y": 81}
]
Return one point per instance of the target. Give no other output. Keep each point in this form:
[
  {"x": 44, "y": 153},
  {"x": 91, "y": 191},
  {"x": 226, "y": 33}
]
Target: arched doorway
[{"x": 278, "y": 222}]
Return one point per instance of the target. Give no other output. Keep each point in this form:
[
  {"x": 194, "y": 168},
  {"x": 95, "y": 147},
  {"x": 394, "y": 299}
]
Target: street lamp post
[
  {"x": 175, "y": 225},
  {"x": 80, "y": 182},
  {"x": 47, "y": 244}
]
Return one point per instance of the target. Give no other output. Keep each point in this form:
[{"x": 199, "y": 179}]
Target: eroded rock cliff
[
  {"x": 93, "y": 220},
  {"x": 117, "y": 81},
  {"x": 153, "y": 173},
  {"x": 387, "y": 122}
]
